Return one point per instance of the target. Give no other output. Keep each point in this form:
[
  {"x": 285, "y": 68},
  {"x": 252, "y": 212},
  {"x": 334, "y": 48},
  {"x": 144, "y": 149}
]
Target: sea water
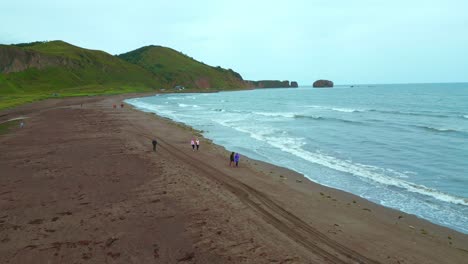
[{"x": 401, "y": 146}]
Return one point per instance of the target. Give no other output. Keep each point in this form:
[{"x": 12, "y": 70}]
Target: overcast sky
[{"x": 347, "y": 41}]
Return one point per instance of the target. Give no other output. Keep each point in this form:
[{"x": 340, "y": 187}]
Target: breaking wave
[
  {"x": 387, "y": 177},
  {"x": 441, "y": 130}
]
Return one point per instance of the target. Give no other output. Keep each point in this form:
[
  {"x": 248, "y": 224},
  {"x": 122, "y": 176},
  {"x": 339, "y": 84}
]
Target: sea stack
[
  {"x": 294, "y": 84},
  {"x": 323, "y": 84}
]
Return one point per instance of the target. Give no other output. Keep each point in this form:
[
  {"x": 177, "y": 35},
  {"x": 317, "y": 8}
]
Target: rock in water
[
  {"x": 294, "y": 84},
  {"x": 323, "y": 84}
]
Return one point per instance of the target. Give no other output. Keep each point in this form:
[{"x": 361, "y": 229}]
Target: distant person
[
  {"x": 121, "y": 105},
  {"x": 192, "y": 142},
  {"x": 155, "y": 142},
  {"x": 231, "y": 159},
  {"x": 197, "y": 142},
  {"x": 114, "y": 106},
  {"x": 21, "y": 124},
  {"x": 236, "y": 159}
]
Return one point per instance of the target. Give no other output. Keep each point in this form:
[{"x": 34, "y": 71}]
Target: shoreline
[
  {"x": 280, "y": 171},
  {"x": 290, "y": 218},
  {"x": 377, "y": 202}
]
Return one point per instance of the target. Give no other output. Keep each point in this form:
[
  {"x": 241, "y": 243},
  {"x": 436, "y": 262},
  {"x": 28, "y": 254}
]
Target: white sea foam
[
  {"x": 183, "y": 105},
  {"x": 345, "y": 110},
  {"x": 153, "y": 108},
  {"x": 338, "y": 109},
  {"x": 441, "y": 129},
  {"x": 275, "y": 114},
  {"x": 382, "y": 176}
]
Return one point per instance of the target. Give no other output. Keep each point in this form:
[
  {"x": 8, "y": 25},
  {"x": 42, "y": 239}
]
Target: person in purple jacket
[{"x": 236, "y": 159}]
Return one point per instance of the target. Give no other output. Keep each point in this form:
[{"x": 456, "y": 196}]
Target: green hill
[
  {"x": 178, "y": 69},
  {"x": 38, "y": 70}
]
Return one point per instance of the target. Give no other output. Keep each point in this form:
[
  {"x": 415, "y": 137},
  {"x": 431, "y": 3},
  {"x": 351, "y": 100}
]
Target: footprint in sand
[
  {"x": 156, "y": 251},
  {"x": 113, "y": 255},
  {"x": 65, "y": 213},
  {"x": 36, "y": 222}
]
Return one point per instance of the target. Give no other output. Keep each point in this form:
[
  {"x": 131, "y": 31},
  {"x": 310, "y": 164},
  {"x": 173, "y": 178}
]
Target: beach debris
[
  {"x": 367, "y": 209},
  {"x": 449, "y": 237},
  {"x": 65, "y": 213},
  {"x": 86, "y": 256},
  {"x": 187, "y": 257},
  {"x": 36, "y": 222},
  {"x": 299, "y": 181},
  {"x": 321, "y": 193},
  {"x": 110, "y": 241},
  {"x": 412, "y": 227},
  {"x": 400, "y": 217},
  {"x": 423, "y": 231},
  {"x": 113, "y": 255},
  {"x": 156, "y": 251}
]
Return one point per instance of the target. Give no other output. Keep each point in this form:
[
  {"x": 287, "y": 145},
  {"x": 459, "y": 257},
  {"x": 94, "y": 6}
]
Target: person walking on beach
[
  {"x": 21, "y": 124},
  {"x": 231, "y": 159},
  {"x": 198, "y": 143},
  {"x": 236, "y": 159},
  {"x": 192, "y": 142},
  {"x": 155, "y": 142}
]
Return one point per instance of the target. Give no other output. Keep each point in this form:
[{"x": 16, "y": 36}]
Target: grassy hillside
[
  {"x": 29, "y": 72},
  {"x": 38, "y": 70},
  {"x": 178, "y": 69}
]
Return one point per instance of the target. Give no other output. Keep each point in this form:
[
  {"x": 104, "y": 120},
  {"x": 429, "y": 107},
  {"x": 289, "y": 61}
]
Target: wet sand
[{"x": 81, "y": 184}]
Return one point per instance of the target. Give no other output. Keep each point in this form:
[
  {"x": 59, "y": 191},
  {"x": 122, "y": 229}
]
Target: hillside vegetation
[
  {"x": 38, "y": 70},
  {"x": 178, "y": 69}
]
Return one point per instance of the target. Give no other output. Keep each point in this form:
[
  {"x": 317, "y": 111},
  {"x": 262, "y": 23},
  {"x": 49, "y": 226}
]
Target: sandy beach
[{"x": 81, "y": 184}]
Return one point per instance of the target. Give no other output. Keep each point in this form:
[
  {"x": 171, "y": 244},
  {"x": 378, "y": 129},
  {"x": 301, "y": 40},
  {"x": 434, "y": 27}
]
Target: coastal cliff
[{"x": 271, "y": 84}]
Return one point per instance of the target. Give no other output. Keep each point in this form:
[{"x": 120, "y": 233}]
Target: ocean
[{"x": 401, "y": 146}]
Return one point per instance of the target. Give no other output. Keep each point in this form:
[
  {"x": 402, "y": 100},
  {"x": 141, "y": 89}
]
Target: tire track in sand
[{"x": 284, "y": 221}]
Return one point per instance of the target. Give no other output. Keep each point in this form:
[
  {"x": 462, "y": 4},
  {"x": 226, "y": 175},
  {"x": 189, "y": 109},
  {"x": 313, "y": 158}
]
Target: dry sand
[{"x": 82, "y": 185}]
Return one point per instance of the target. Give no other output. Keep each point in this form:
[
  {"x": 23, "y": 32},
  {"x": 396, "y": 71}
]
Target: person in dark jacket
[
  {"x": 155, "y": 142},
  {"x": 231, "y": 159}
]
